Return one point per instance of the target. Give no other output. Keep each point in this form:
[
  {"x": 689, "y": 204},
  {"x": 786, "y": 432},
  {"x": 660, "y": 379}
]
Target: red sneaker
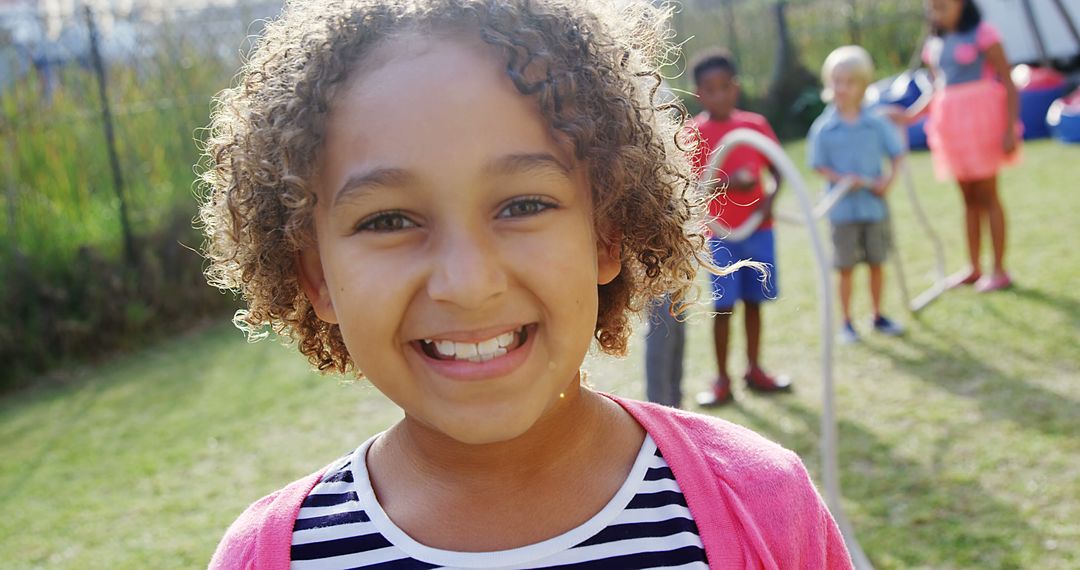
[
  {"x": 758, "y": 381},
  {"x": 719, "y": 395}
]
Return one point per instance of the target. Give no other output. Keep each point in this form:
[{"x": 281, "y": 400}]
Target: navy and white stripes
[{"x": 645, "y": 525}]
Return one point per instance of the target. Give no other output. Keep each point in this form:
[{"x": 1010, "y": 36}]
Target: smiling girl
[{"x": 455, "y": 198}]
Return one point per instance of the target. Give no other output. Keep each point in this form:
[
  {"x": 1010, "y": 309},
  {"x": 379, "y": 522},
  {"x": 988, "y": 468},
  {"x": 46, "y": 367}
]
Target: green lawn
[{"x": 960, "y": 443}]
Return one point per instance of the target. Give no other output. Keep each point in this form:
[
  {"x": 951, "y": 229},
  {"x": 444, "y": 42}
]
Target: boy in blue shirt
[{"x": 847, "y": 145}]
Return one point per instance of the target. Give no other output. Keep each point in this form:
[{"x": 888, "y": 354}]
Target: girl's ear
[
  {"x": 608, "y": 258},
  {"x": 313, "y": 282}
]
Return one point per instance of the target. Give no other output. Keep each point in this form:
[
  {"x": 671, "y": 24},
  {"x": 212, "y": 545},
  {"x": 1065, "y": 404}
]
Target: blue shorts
[{"x": 746, "y": 284}]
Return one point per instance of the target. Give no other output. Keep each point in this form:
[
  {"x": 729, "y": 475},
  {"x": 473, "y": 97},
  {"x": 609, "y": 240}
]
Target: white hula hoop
[
  {"x": 829, "y": 462},
  {"x": 940, "y": 284}
]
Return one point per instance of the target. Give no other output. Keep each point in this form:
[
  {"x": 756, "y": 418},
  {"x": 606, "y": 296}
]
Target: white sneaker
[{"x": 848, "y": 334}]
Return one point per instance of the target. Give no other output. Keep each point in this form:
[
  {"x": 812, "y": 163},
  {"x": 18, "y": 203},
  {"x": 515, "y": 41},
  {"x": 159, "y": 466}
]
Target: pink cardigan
[{"x": 752, "y": 500}]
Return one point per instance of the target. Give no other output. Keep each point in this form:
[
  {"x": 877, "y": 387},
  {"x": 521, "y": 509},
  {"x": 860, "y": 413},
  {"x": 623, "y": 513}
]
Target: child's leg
[
  {"x": 847, "y": 243},
  {"x": 721, "y": 339},
  {"x": 757, "y": 289},
  {"x": 876, "y": 242},
  {"x": 973, "y": 213},
  {"x": 756, "y": 377},
  {"x": 996, "y": 216},
  {"x": 753, "y": 333},
  {"x": 727, "y": 290},
  {"x": 845, "y": 292},
  {"x": 720, "y": 392},
  {"x": 663, "y": 356},
  {"x": 876, "y": 286}
]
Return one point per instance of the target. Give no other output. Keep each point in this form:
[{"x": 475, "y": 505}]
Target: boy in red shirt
[{"x": 716, "y": 78}]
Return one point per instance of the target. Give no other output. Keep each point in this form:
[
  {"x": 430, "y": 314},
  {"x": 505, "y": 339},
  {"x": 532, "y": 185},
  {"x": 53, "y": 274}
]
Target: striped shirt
[{"x": 645, "y": 525}]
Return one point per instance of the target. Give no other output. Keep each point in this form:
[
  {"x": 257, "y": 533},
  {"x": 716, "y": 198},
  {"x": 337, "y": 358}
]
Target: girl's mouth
[{"x": 500, "y": 345}]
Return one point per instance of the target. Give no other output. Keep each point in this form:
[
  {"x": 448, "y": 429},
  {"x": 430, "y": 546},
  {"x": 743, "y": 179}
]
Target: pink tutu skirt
[{"x": 966, "y": 130}]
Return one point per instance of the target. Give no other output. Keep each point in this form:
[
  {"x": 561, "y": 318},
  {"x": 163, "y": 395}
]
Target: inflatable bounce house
[
  {"x": 1042, "y": 32},
  {"x": 1038, "y": 87},
  {"x": 906, "y": 90},
  {"x": 1037, "y": 34},
  {"x": 1036, "y": 31},
  {"x": 1064, "y": 118}
]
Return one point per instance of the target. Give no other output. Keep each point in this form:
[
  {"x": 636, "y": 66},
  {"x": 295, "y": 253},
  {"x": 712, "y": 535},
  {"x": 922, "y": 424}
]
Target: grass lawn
[{"x": 959, "y": 443}]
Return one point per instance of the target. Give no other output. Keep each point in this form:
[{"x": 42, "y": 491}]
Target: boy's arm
[
  {"x": 836, "y": 178},
  {"x": 881, "y": 185},
  {"x": 778, "y": 178},
  {"x": 815, "y": 155},
  {"x": 770, "y": 197},
  {"x": 895, "y": 113},
  {"x": 894, "y": 149},
  {"x": 767, "y": 130}
]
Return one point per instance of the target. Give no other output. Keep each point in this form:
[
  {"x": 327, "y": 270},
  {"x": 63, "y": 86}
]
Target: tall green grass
[
  {"x": 67, "y": 289},
  {"x": 64, "y": 196}
]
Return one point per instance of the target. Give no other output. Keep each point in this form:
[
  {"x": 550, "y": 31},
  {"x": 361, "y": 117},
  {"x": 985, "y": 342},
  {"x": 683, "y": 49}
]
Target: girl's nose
[{"x": 467, "y": 272}]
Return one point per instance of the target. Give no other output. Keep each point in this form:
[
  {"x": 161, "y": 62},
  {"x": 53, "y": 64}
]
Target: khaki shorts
[{"x": 860, "y": 242}]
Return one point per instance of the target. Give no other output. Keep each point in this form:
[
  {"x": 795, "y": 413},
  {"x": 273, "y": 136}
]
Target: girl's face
[
  {"x": 944, "y": 14},
  {"x": 455, "y": 241}
]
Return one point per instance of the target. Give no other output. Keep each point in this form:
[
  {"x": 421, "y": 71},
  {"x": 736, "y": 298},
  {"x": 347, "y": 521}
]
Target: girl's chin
[{"x": 482, "y": 425}]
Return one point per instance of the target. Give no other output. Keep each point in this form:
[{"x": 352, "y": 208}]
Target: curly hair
[{"x": 593, "y": 68}]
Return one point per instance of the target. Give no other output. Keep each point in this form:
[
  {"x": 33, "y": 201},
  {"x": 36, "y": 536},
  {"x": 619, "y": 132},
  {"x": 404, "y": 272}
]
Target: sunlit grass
[{"x": 959, "y": 442}]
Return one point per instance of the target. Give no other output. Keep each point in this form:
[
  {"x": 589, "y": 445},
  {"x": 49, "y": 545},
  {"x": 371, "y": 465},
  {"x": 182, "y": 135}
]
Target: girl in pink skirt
[{"x": 972, "y": 130}]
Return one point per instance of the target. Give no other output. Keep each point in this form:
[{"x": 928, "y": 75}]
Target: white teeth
[
  {"x": 465, "y": 350},
  {"x": 488, "y": 347},
  {"x": 445, "y": 347},
  {"x": 475, "y": 351}
]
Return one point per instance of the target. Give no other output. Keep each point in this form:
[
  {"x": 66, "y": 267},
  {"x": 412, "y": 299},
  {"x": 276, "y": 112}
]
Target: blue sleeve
[
  {"x": 815, "y": 155},
  {"x": 890, "y": 135}
]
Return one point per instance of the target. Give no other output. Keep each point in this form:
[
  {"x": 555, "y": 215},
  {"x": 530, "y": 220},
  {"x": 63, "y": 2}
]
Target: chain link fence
[
  {"x": 779, "y": 70},
  {"x": 150, "y": 85},
  {"x": 101, "y": 114}
]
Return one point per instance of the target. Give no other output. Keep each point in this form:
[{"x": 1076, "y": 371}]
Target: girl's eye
[
  {"x": 385, "y": 222},
  {"x": 525, "y": 207}
]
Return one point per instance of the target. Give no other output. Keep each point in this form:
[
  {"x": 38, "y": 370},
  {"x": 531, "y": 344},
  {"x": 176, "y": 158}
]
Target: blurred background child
[
  {"x": 847, "y": 144},
  {"x": 972, "y": 129},
  {"x": 741, "y": 193},
  {"x": 665, "y": 345}
]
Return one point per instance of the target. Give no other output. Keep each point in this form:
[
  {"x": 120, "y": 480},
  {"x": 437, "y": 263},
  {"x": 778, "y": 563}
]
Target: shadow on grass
[
  {"x": 1042, "y": 342},
  {"x": 905, "y": 514},
  {"x": 947, "y": 364},
  {"x": 1070, "y": 307}
]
